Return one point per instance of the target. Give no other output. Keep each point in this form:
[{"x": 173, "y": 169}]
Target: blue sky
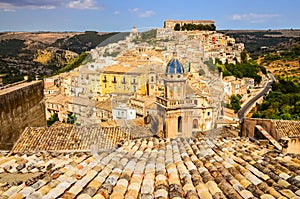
[{"x": 121, "y": 15}]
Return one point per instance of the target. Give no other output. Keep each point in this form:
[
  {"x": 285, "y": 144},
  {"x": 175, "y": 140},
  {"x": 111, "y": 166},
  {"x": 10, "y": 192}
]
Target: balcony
[
  {"x": 114, "y": 81},
  {"x": 175, "y": 103},
  {"x": 104, "y": 80}
]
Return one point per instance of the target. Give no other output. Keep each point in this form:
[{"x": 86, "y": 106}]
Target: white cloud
[
  {"x": 84, "y": 5},
  {"x": 13, "y": 6},
  {"x": 134, "y": 10},
  {"x": 141, "y": 14},
  {"x": 7, "y": 7},
  {"x": 148, "y": 13},
  {"x": 253, "y": 17},
  {"x": 117, "y": 12}
]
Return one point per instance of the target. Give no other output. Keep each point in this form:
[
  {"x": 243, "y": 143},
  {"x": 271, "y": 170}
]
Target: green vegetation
[
  {"x": 190, "y": 26},
  {"x": 52, "y": 119},
  {"x": 235, "y": 102},
  {"x": 147, "y": 36},
  {"x": 71, "y": 118},
  {"x": 82, "y": 42},
  {"x": 11, "y": 47},
  {"x": 286, "y": 55},
  {"x": 262, "y": 42},
  {"x": 73, "y": 64},
  {"x": 239, "y": 70},
  {"x": 282, "y": 103},
  {"x": 12, "y": 74}
]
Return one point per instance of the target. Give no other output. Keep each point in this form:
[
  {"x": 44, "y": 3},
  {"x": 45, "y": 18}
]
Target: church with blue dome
[
  {"x": 174, "y": 67},
  {"x": 175, "y": 109}
]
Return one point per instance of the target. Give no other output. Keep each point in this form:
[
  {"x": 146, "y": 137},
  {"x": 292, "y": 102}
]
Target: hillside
[
  {"x": 259, "y": 42},
  {"x": 42, "y": 53}
]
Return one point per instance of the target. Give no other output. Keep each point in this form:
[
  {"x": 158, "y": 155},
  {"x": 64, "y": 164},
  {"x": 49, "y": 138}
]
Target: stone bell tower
[{"x": 174, "y": 108}]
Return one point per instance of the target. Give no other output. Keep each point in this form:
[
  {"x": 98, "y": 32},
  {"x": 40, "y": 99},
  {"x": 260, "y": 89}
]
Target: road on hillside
[{"x": 248, "y": 105}]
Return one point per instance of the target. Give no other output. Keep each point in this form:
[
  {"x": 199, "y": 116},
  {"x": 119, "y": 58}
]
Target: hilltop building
[{"x": 171, "y": 23}]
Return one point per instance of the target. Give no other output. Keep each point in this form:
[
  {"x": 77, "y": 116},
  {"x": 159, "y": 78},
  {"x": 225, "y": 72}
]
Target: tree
[
  {"x": 244, "y": 56},
  {"x": 177, "y": 27},
  {"x": 52, "y": 119},
  {"x": 235, "y": 102},
  {"x": 71, "y": 118}
]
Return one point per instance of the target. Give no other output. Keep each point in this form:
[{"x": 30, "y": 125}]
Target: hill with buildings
[
  {"x": 259, "y": 42},
  {"x": 43, "y": 53}
]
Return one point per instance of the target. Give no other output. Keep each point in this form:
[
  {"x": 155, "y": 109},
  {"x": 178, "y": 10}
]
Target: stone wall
[
  {"x": 21, "y": 105},
  {"x": 248, "y": 127}
]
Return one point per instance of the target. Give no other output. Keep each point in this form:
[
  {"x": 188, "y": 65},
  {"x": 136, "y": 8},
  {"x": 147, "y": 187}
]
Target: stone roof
[
  {"x": 199, "y": 167},
  {"x": 58, "y": 99},
  {"x": 70, "y": 138},
  {"x": 287, "y": 128}
]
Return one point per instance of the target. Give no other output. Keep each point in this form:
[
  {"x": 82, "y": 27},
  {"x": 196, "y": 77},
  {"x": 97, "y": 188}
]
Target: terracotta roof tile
[{"x": 198, "y": 167}]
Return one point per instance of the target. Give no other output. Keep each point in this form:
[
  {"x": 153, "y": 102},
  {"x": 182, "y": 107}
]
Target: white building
[{"x": 123, "y": 112}]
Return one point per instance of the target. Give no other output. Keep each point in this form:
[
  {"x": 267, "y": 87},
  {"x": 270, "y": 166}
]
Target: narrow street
[{"x": 249, "y": 104}]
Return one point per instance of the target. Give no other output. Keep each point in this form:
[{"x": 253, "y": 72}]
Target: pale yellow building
[{"x": 120, "y": 79}]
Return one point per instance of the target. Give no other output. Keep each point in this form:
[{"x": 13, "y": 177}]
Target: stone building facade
[
  {"x": 181, "y": 112},
  {"x": 171, "y": 23}
]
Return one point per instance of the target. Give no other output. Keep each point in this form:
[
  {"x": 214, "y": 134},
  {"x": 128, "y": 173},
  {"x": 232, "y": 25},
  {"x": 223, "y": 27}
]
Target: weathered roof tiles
[{"x": 156, "y": 168}]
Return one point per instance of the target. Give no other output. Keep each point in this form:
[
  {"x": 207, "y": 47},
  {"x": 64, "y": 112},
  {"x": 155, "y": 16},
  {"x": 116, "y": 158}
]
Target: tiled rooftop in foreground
[
  {"x": 219, "y": 166},
  {"x": 69, "y": 138}
]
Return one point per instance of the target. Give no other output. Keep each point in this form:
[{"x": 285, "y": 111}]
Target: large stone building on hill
[{"x": 171, "y": 23}]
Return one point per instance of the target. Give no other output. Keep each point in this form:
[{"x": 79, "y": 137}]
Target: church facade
[{"x": 181, "y": 111}]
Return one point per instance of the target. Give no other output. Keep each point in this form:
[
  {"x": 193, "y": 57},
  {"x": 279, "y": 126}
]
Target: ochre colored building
[{"x": 124, "y": 80}]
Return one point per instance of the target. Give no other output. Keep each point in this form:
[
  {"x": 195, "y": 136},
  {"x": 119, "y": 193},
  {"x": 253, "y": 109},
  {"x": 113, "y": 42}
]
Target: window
[
  {"x": 208, "y": 113},
  {"x": 179, "y": 130},
  {"x": 195, "y": 124},
  {"x": 196, "y": 102},
  {"x": 152, "y": 79}
]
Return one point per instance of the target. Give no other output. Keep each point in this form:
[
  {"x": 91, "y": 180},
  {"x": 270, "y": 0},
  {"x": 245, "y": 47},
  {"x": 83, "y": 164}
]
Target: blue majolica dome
[{"x": 174, "y": 67}]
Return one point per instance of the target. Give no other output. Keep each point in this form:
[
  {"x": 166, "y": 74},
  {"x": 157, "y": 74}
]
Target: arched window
[
  {"x": 195, "y": 124},
  {"x": 179, "y": 124}
]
